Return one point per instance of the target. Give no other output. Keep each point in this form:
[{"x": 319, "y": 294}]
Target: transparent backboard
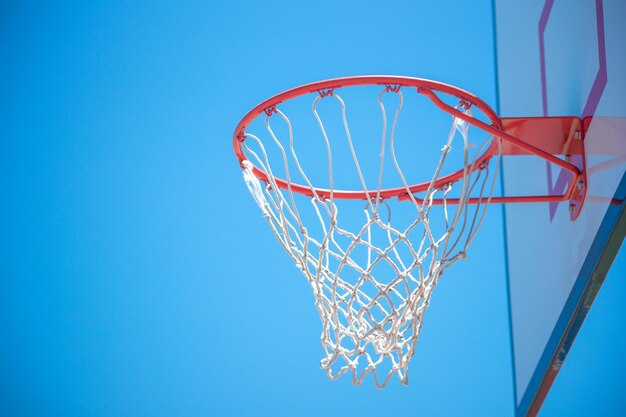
[{"x": 560, "y": 58}]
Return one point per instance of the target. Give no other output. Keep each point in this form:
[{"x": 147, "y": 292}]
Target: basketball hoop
[{"x": 371, "y": 320}]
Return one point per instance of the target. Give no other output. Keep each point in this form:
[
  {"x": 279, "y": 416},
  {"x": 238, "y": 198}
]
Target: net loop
[
  {"x": 270, "y": 110},
  {"x": 394, "y": 88}
]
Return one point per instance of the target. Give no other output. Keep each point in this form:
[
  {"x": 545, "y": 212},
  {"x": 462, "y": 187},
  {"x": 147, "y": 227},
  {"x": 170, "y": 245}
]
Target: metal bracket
[{"x": 558, "y": 136}]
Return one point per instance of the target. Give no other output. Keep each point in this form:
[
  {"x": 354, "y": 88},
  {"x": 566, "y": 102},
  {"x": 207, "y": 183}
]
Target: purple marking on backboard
[
  {"x": 543, "y": 22},
  {"x": 601, "y": 77},
  {"x": 592, "y": 101}
]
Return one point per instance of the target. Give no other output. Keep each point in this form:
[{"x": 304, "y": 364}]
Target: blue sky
[{"x": 137, "y": 276}]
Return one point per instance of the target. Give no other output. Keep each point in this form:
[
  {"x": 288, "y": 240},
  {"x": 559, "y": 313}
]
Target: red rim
[{"x": 425, "y": 87}]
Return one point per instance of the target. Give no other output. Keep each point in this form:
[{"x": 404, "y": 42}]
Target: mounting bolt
[
  {"x": 577, "y": 134},
  {"x": 580, "y": 184}
]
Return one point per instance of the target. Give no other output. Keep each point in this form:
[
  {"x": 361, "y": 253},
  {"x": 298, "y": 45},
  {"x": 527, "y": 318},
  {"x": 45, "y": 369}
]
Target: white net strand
[{"x": 370, "y": 321}]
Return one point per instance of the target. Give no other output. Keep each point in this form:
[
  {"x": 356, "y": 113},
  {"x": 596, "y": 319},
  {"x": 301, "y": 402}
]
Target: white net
[{"x": 372, "y": 283}]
